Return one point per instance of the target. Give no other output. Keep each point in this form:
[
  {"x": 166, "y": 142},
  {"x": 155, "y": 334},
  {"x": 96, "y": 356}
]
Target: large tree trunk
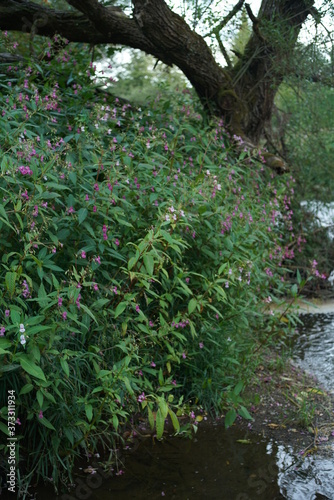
[{"x": 242, "y": 95}]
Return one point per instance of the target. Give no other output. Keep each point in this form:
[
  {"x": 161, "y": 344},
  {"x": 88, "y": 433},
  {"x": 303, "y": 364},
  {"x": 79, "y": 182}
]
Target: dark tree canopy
[{"x": 242, "y": 94}]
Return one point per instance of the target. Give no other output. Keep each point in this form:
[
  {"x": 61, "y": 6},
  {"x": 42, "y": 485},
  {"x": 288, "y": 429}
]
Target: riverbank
[{"x": 292, "y": 407}]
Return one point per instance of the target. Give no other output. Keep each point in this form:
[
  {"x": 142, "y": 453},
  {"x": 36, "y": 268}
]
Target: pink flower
[
  {"x": 40, "y": 415},
  {"x": 116, "y": 242},
  {"x": 201, "y": 345},
  {"x": 153, "y": 364},
  {"x": 141, "y": 397},
  {"x": 83, "y": 255},
  {"x": 7, "y": 312},
  {"x": 137, "y": 308},
  {"x": 60, "y": 302},
  {"x": 64, "y": 315}
]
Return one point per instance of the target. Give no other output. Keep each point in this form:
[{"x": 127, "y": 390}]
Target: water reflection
[
  {"x": 307, "y": 479},
  {"x": 211, "y": 466},
  {"x": 314, "y": 347}
]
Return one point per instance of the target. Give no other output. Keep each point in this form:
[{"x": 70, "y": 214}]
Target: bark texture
[{"x": 242, "y": 95}]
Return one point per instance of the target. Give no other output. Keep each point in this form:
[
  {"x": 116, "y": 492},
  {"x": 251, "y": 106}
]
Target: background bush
[{"x": 140, "y": 256}]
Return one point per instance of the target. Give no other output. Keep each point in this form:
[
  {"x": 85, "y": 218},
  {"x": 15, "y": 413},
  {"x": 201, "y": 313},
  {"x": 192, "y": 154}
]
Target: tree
[{"x": 242, "y": 94}]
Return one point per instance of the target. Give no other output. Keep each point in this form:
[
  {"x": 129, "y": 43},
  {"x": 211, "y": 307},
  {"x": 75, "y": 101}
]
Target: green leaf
[
  {"x": 82, "y": 214},
  {"x": 222, "y": 267},
  {"x": 15, "y": 316},
  {"x": 65, "y": 367},
  {"x": 89, "y": 312},
  {"x": 230, "y": 417},
  {"x": 40, "y": 398},
  {"x": 89, "y": 412},
  {"x": 4, "y": 343},
  {"x": 163, "y": 407},
  {"x": 174, "y": 419},
  {"x": 30, "y": 367},
  {"x": 42, "y": 296},
  {"x": 228, "y": 243},
  {"x": 26, "y": 388},
  {"x": 132, "y": 262},
  {"x": 115, "y": 422},
  {"x": 299, "y": 278},
  {"x": 44, "y": 421},
  {"x": 98, "y": 304},
  {"x": 120, "y": 308},
  {"x": 192, "y": 306},
  {"x": 3, "y": 211},
  {"x": 238, "y": 388},
  {"x": 128, "y": 385},
  {"x": 9, "y": 368},
  {"x": 4, "y": 428},
  {"x": 243, "y": 412},
  {"x": 149, "y": 264},
  {"x": 73, "y": 177},
  {"x": 160, "y": 424},
  {"x": 35, "y": 320},
  {"x": 10, "y": 280}
]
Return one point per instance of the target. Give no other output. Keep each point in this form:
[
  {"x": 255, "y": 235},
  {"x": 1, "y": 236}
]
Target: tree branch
[
  {"x": 223, "y": 51},
  {"x": 227, "y": 18},
  {"x": 255, "y": 21},
  {"x": 27, "y": 16}
]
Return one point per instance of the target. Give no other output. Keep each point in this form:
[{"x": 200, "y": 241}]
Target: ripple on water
[{"x": 314, "y": 347}]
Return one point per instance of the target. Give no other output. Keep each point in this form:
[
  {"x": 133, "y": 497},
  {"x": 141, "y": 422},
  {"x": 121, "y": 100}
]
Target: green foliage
[
  {"x": 141, "y": 76},
  {"x": 305, "y": 126},
  {"x": 139, "y": 258},
  {"x": 309, "y": 137},
  {"x": 242, "y": 36}
]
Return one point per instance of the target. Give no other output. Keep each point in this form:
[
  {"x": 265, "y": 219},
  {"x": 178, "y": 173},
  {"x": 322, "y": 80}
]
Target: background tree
[{"x": 243, "y": 93}]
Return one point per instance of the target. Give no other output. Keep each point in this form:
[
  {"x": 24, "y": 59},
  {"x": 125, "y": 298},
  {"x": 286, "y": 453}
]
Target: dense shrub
[{"x": 140, "y": 255}]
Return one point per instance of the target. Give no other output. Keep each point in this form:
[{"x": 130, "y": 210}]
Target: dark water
[
  {"x": 214, "y": 465},
  {"x": 211, "y": 466}
]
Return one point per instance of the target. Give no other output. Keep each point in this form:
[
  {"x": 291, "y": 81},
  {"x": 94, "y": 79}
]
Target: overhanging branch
[{"x": 27, "y": 16}]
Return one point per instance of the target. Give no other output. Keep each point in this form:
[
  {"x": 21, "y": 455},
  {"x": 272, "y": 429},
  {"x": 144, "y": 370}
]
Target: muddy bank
[{"x": 292, "y": 408}]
